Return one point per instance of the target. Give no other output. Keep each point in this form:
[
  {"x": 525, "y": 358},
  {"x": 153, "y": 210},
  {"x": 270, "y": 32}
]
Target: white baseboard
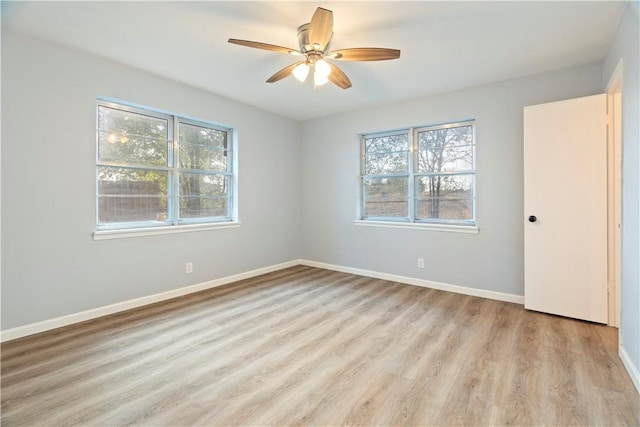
[
  {"x": 500, "y": 296},
  {"x": 46, "y": 325},
  {"x": 632, "y": 369}
]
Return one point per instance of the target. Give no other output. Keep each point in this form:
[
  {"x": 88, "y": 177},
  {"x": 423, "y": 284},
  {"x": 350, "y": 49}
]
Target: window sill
[
  {"x": 172, "y": 229},
  {"x": 470, "y": 229}
]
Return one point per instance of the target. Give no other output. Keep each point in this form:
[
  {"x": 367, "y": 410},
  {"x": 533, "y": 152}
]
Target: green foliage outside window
[
  {"x": 155, "y": 169},
  {"x": 420, "y": 175}
]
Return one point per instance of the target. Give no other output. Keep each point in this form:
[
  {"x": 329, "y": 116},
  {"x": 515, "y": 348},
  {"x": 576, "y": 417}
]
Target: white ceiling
[{"x": 445, "y": 45}]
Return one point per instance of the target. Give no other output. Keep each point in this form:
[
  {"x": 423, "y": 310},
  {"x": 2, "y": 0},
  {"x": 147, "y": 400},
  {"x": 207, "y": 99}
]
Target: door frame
[{"x": 614, "y": 186}]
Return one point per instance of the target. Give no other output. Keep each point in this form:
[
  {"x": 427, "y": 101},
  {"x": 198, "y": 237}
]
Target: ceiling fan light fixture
[
  {"x": 322, "y": 68},
  {"x": 301, "y": 72},
  {"x": 319, "y": 79}
]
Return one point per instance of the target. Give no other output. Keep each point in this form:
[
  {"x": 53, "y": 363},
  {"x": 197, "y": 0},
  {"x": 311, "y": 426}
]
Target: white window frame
[
  {"x": 410, "y": 221},
  {"x": 173, "y": 223}
]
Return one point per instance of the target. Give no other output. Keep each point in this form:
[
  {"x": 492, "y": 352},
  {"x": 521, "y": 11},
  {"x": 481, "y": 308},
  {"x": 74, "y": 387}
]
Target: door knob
[{"x": 532, "y": 218}]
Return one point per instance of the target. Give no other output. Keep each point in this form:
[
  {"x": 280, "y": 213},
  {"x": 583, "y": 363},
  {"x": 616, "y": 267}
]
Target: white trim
[
  {"x": 45, "y": 325},
  {"x": 171, "y": 229},
  {"x": 499, "y": 296},
  {"x": 419, "y": 226},
  {"x": 58, "y": 322},
  {"x": 614, "y": 187},
  {"x": 632, "y": 369}
]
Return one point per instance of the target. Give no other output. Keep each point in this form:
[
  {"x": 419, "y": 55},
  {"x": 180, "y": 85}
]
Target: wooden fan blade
[
  {"x": 321, "y": 28},
  {"x": 285, "y": 72},
  {"x": 338, "y": 77},
  {"x": 263, "y": 46},
  {"x": 365, "y": 54}
]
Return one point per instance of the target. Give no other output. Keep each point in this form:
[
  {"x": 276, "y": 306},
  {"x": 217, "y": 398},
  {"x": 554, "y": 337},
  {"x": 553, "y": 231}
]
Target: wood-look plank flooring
[{"x": 306, "y": 346}]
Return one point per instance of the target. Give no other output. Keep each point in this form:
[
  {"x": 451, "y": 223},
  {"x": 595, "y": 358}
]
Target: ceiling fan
[{"x": 314, "y": 39}]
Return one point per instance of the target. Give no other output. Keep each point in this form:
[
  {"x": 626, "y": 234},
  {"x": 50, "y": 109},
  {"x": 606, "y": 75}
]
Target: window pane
[
  {"x": 445, "y": 150},
  {"x": 129, "y": 195},
  {"x": 386, "y": 197},
  {"x": 444, "y": 197},
  {"x": 203, "y": 195},
  {"x": 446, "y": 209},
  {"x": 386, "y": 154},
  {"x": 130, "y": 138},
  {"x": 202, "y": 148},
  {"x": 440, "y": 159}
]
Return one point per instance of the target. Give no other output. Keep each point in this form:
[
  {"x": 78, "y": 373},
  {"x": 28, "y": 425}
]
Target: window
[
  {"x": 155, "y": 169},
  {"x": 420, "y": 175}
]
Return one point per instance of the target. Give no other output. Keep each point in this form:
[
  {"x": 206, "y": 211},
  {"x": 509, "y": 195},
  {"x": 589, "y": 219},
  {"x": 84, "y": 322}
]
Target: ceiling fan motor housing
[{"x": 304, "y": 42}]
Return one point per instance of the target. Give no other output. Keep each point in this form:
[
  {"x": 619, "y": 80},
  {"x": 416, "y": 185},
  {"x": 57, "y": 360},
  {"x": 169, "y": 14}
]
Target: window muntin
[
  {"x": 435, "y": 185},
  {"x": 155, "y": 169}
]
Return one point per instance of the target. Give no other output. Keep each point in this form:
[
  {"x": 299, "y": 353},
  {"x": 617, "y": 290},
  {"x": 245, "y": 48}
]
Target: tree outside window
[
  {"x": 420, "y": 175},
  {"x": 155, "y": 169}
]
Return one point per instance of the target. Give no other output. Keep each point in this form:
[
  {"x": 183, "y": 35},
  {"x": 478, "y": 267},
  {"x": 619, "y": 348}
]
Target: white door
[{"x": 565, "y": 206}]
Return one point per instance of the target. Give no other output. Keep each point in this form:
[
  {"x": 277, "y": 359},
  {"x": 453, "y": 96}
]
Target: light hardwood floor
[{"x": 307, "y": 346}]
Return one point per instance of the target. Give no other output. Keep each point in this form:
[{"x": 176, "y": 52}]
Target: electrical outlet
[
  {"x": 420, "y": 262},
  {"x": 189, "y": 268}
]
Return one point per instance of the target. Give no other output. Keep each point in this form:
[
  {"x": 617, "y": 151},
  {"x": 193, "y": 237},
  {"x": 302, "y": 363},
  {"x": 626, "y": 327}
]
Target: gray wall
[
  {"x": 50, "y": 265},
  {"x": 297, "y": 186},
  {"x": 490, "y": 260},
  {"x": 626, "y": 46}
]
